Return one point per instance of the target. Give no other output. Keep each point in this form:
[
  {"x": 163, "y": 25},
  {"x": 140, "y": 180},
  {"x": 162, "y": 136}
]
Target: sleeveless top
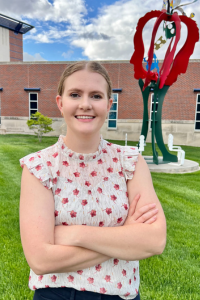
[{"x": 88, "y": 189}]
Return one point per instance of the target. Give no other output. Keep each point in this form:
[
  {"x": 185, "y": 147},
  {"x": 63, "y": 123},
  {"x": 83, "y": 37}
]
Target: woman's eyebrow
[{"x": 91, "y": 92}]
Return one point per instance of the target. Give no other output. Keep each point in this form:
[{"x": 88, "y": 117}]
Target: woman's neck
[{"x": 82, "y": 144}]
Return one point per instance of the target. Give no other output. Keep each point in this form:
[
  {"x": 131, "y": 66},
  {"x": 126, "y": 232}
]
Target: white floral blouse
[{"x": 89, "y": 189}]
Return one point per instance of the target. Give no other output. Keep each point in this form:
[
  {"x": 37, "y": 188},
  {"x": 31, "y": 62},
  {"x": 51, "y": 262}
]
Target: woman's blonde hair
[{"x": 91, "y": 66}]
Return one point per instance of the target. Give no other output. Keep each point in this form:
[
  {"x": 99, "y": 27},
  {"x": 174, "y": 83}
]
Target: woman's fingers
[
  {"x": 151, "y": 220},
  {"x": 133, "y": 205},
  {"x": 142, "y": 210},
  {"x": 147, "y": 216}
]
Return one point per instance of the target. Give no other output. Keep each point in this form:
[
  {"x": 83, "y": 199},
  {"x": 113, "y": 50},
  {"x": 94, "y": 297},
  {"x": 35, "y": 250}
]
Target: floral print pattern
[{"x": 89, "y": 189}]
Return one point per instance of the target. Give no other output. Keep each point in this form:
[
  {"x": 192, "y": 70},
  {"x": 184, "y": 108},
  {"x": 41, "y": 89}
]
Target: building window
[
  {"x": 197, "y": 118},
  {"x": 112, "y": 116},
  {"x": 33, "y": 103},
  {"x": 151, "y": 110}
]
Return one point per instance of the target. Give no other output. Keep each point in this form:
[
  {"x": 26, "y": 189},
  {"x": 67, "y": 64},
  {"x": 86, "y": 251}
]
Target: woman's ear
[
  {"x": 59, "y": 103},
  {"x": 110, "y": 102}
]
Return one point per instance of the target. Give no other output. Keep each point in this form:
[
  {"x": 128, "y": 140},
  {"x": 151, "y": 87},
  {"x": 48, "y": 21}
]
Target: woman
[{"x": 87, "y": 181}]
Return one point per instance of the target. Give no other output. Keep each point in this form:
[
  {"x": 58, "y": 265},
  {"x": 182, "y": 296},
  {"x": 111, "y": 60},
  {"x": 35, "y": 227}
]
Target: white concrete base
[{"x": 183, "y": 131}]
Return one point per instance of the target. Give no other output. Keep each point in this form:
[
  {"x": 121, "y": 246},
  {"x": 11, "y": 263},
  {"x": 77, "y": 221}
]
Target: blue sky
[{"x": 68, "y": 30}]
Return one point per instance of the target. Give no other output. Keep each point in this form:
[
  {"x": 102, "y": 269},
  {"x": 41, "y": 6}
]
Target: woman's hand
[{"x": 145, "y": 214}]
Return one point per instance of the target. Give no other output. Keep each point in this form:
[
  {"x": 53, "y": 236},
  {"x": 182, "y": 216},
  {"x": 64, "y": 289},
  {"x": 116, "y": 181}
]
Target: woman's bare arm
[
  {"x": 37, "y": 225},
  {"x": 133, "y": 241}
]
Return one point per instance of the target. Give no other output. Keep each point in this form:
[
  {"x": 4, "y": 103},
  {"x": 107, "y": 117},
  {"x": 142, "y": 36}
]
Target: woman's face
[{"x": 84, "y": 102}]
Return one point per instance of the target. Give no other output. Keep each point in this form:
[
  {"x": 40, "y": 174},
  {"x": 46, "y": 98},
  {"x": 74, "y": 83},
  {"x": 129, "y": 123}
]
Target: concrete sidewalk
[{"x": 188, "y": 167}]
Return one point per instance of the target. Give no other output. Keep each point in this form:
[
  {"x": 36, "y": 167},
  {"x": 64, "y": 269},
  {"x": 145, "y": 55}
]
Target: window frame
[
  {"x": 197, "y": 121},
  {"x": 32, "y": 101},
  {"x": 115, "y": 111}
]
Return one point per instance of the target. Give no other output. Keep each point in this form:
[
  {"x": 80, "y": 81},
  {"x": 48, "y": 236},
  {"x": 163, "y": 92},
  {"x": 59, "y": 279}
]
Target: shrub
[{"x": 40, "y": 124}]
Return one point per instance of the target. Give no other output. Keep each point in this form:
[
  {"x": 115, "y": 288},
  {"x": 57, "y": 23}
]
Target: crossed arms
[{"x": 49, "y": 248}]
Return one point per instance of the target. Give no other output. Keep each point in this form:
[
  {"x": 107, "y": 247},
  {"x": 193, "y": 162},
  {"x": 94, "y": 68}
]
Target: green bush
[{"x": 40, "y": 124}]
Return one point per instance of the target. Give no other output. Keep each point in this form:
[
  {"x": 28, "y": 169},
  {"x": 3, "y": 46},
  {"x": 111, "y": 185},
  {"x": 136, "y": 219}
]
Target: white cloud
[
  {"x": 67, "y": 54},
  {"x": 35, "y": 57}
]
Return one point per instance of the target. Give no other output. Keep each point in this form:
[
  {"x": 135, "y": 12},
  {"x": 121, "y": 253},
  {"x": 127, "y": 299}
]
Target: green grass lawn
[{"x": 173, "y": 275}]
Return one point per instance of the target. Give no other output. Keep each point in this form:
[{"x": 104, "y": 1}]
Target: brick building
[{"x": 27, "y": 87}]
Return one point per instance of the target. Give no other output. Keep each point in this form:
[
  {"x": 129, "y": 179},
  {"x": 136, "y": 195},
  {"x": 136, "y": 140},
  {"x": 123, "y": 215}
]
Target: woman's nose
[{"x": 85, "y": 103}]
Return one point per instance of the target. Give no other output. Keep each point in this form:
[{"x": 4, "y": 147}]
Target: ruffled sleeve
[
  {"x": 38, "y": 168},
  {"x": 129, "y": 160}
]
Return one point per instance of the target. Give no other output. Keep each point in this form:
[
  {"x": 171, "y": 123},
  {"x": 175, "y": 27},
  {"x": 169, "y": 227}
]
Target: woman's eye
[
  {"x": 74, "y": 95},
  {"x": 97, "y": 96}
]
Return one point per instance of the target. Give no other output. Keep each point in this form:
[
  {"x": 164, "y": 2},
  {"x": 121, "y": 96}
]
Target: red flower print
[
  {"x": 94, "y": 156},
  {"x": 98, "y": 268},
  {"x": 65, "y": 163},
  {"x": 76, "y": 174},
  {"x": 110, "y": 170},
  {"x": 102, "y": 290},
  {"x": 127, "y": 261},
  {"x": 31, "y": 159},
  {"x": 92, "y": 213},
  {"x": 116, "y": 261},
  {"x": 101, "y": 224},
  {"x": 87, "y": 183},
  {"x": 64, "y": 223},
  {"x": 69, "y": 180},
  {"x": 65, "y": 200},
  {"x": 119, "y": 285},
  {"x": 125, "y": 206},
  {"x": 104, "y": 151},
  {"x": 38, "y": 168},
  {"x": 119, "y": 220},
  {"x": 115, "y": 159},
  {"x": 105, "y": 179},
  {"x": 80, "y": 272},
  {"x": 34, "y": 287},
  {"x": 134, "y": 278},
  {"x": 71, "y": 154},
  {"x": 54, "y": 180},
  {"x": 109, "y": 144},
  {"x": 100, "y": 162},
  {"x": 97, "y": 200},
  {"x": 121, "y": 173},
  {"x": 70, "y": 278},
  {"x": 53, "y": 278},
  {"x": 46, "y": 286},
  {"x": 57, "y": 191},
  {"x": 99, "y": 190},
  {"x": 89, "y": 192},
  {"x": 107, "y": 278},
  {"x": 75, "y": 192},
  {"x": 124, "y": 272},
  {"x": 58, "y": 173},
  {"x": 127, "y": 294},
  {"x": 113, "y": 198},
  {"x": 56, "y": 213},
  {"x": 40, "y": 277},
  {"x": 72, "y": 213},
  {"x": 108, "y": 211},
  {"x": 55, "y": 154},
  {"x": 84, "y": 202},
  {"x": 62, "y": 147},
  {"x": 94, "y": 173},
  {"x": 127, "y": 194},
  {"x": 49, "y": 164},
  {"x": 29, "y": 278},
  {"x": 82, "y": 289},
  {"x": 136, "y": 291},
  {"x": 134, "y": 270},
  {"x": 132, "y": 148},
  {"x": 116, "y": 186},
  {"x": 81, "y": 157},
  {"x": 129, "y": 281},
  {"x": 82, "y": 165},
  {"x": 118, "y": 150},
  {"x": 90, "y": 280}
]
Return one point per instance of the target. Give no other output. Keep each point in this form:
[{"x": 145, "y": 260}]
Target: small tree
[{"x": 40, "y": 124}]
